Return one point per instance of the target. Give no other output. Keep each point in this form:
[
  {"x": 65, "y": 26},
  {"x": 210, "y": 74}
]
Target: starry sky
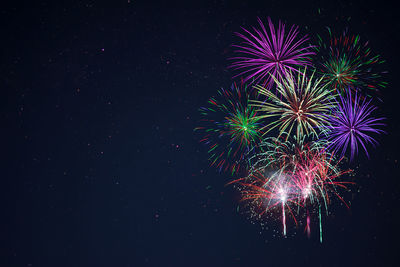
[{"x": 100, "y": 165}]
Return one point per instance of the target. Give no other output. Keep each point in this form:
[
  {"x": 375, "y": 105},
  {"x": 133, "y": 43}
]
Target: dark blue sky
[{"x": 100, "y": 166}]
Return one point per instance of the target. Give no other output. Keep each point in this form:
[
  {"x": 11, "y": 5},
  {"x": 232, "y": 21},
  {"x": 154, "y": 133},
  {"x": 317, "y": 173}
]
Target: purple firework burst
[
  {"x": 264, "y": 53},
  {"x": 351, "y": 123}
]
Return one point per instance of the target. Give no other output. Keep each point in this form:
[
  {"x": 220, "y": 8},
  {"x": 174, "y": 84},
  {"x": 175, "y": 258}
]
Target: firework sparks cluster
[{"x": 301, "y": 113}]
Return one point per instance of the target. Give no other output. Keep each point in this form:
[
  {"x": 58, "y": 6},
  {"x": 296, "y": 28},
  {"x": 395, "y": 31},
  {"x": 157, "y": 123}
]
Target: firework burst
[
  {"x": 267, "y": 191},
  {"x": 291, "y": 177},
  {"x": 229, "y": 127},
  {"x": 281, "y": 152},
  {"x": 347, "y": 62},
  {"x": 351, "y": 124},
  {"x": 312, "y": 120},
  {"x": 274, "y": 52},
  {"x": 300, "y": 104}
]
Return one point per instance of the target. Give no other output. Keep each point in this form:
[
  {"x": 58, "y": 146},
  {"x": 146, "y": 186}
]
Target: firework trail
[{"x": 308, "y": 227}]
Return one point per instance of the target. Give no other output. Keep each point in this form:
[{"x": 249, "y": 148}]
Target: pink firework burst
[{"x": 263, "y": 53}]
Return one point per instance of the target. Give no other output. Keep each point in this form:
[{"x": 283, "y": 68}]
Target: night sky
[{"x": 100, "y": 164}]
